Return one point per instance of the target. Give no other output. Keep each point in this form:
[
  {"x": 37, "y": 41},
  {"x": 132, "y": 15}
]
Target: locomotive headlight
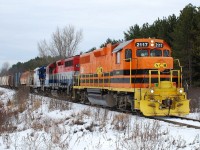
[
  {"x": 152, "y": 44},
  {"x": 181, "y": 91},
  {"x": 151, "y": 91}
]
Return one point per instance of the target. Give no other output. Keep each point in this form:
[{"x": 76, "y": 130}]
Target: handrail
[
  {"x": 150, "y": 77},
  {"x": 179, "y": 77},
  {"x": 171, "y": 77},
  {"x": 181, "y": 68},
  {"x": 89, "y": 79}
]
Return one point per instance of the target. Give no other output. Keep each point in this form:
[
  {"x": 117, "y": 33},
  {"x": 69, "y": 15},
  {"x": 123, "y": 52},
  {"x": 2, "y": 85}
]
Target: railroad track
[
  {"x": 185, "y": 118},
  {"x": 181, "y": 121}
]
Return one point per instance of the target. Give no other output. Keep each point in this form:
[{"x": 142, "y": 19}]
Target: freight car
[
  {"x": 11, "y": 81},
  {"x": 26, "y": 78},
  {"x": 138, "y": 74}
]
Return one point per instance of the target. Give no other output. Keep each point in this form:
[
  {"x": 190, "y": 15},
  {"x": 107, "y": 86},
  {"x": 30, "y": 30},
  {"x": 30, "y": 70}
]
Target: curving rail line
[{"x": 181, "y": 121}]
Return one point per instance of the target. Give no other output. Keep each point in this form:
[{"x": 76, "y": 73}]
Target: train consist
[{"x": 138, "y": 75}]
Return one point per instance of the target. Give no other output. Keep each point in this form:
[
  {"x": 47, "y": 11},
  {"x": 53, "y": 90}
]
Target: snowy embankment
[{"x": 41, "y": 123}]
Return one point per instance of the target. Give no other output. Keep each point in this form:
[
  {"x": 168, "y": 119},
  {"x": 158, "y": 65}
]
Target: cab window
[
  {"x": 142, "y": 53},
  {"x": 69, "y": 63},
  {"x": 166, "y": 53},
  {"x": 128, "y": 55},
  {"x": 155, "y": 53}
]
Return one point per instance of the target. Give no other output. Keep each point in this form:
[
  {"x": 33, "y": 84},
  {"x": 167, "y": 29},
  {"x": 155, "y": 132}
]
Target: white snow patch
[{"x": 64, "y": 125}]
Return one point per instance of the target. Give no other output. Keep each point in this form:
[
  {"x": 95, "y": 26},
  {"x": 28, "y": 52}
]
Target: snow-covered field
[{"x": 47, "y": 124}]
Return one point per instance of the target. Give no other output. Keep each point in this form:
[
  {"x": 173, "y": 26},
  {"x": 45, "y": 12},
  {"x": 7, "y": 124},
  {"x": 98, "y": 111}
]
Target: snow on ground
[
  {"x": 50, "y": 124},
  {"x": 194, "y": 115}
]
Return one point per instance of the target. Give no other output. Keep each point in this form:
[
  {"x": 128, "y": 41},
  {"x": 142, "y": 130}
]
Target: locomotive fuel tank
[{"x": 99, "y": 97}]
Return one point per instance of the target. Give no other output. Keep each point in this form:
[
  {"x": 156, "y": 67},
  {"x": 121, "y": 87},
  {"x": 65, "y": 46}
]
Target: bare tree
[
  {"x": 5, "y": 67},
  {"x": 71, "y": 40},
  {"x": 63, "y": 44},
  {"x": 43, "y": 48}
]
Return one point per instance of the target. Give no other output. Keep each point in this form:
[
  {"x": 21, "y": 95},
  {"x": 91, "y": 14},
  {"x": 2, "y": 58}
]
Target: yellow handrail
[
  {"x": 150, "y": 76},
  {"x": 179, "y": 77},
  {"x": 181, "y": 69}
]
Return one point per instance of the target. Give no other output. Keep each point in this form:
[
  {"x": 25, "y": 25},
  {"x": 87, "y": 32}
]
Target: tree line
[{"x": 181, "y": 32}]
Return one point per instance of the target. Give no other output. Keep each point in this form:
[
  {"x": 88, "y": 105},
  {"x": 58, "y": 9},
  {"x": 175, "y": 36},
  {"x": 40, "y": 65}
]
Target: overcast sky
[{"x": 23, "y": 23}]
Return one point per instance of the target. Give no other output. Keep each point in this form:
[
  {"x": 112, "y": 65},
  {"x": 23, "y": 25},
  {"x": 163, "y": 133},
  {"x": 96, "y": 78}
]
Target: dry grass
[
  {"x": 87, "y": 112},
  {"x": 37, "y": 126},
  {"x": 120, "y": 122},
  {"x": 21, "y": 98},
  {"x": 6, "y": 124},
  {"x": 100, "y": 116},
  {"x": 83, "y": 113},
  {"x": 11, "y": 106},
  {"x": 194, "y": 96},
  {"x": 78, "y": 121},
  {"x": 3, "y": 118},
  {"x": 144, "y": 135},
  {"x": 91, "y": 127},
  {"x": 36, "y": 104},
  {"x": 58, "y": 104}
]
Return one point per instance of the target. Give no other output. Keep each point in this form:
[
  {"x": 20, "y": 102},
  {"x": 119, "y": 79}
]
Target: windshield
[
  {"x": 155, "y": 53},
  {"x": 152, "y": 53},
  {"x": 142, "y": 53}
]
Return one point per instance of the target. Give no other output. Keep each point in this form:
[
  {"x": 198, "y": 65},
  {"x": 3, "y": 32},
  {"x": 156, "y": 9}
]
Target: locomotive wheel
[
  {"x": 76, "y": 96},
  {"x": 122, "y": 102},
  {"x": 83, "y": 97}
]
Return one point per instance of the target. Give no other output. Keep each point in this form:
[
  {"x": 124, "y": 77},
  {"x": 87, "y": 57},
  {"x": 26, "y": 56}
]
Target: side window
[
  {"x": 118, "y": 58},
  {"x": 166, "y": 53},
  {"x": 128, "y": 55},
  {"x": 59, "y": 63},
  {"x": 69, "y": 63}
]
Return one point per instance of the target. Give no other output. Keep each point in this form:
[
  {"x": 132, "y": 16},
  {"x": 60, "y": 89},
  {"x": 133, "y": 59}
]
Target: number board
[
  {"x": 141, "y": 44},
  {"x": 159, "y": 45}
]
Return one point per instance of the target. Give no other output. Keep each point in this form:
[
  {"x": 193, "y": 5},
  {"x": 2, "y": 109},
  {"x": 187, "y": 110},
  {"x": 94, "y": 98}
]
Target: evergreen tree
[
  {"x": 132, "y": 33},
  {"x": 196, "y": 50},
  {"x": 184, "y": 37},
  {"x": 109, "y": 41}
]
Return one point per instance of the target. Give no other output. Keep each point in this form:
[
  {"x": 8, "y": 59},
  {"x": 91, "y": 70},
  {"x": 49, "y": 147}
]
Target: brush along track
[
  {"x": 176, "y": 120},
  {"x": 165, "y": 119},
  {"x": 181, "y": 121}
]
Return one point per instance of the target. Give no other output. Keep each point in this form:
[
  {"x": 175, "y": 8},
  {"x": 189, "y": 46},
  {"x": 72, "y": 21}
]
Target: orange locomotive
[{"x": 138, "y": 74}]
